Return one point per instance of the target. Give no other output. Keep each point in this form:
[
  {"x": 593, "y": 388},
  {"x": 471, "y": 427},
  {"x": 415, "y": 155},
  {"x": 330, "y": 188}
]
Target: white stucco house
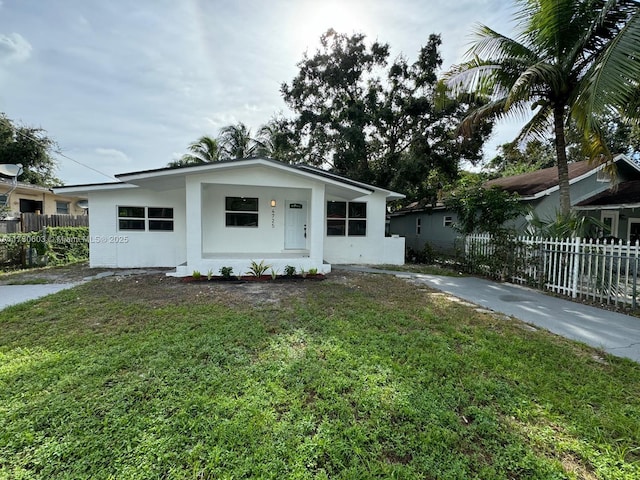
[{"x": 227, "y": 214}]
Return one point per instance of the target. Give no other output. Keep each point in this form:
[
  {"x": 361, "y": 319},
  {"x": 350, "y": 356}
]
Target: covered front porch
[{"x": 233, "y": 225}]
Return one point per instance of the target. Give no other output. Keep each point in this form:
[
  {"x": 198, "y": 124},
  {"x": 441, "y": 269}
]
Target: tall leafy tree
[
  {"x": 30, "y": 147},
  {"x": 570, "y": 59},
  {"x": 376, "y": 120},
  {"x": 204, "y": 150}
]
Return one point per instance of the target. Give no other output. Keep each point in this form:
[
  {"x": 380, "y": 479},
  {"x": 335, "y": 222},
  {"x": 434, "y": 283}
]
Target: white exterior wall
[
  {"x": 112, "y": 248},
  {"x": 267, "y": 237},
  {"x": 374, "y": 248},
  {"x": 208, "y": 234},
  {"x": 201, "y": 240}
]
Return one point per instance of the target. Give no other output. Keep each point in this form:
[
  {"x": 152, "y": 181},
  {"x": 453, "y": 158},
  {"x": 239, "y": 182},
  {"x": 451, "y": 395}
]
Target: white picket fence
[{"x": 597, "y": 270}]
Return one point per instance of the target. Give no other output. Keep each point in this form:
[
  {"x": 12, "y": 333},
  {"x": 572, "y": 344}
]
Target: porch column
[
  {"x": 316, "y": 241},
  {"x": 193, "y": 221}
]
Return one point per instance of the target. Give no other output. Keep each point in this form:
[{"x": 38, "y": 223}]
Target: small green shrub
[
  {"x": 226, "y": 272},
  {"x": 209, "y": 274},
  {"x": 196, "y": 275},
  {"x": 52, "y": 245},
  {"x": 258, "y": 269},
  {"x": 289, "y": 270},
  {"x": 274, "y": 273},
  {"x": 313, "y": 271},
  {"x": 426, "y": 256}
]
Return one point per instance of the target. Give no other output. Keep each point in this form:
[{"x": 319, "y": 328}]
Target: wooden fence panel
[{"x": 33, "y": 222}]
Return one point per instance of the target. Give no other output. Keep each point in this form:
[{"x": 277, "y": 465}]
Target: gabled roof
[
  {"x": 625, "y": 195},
  {"x": 172, "y": 177},
  {"x": 536, "y": 184}
]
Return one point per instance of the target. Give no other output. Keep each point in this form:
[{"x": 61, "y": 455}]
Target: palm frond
[
  {"x": 541, "y": 75},
  {"x": 492, "y": 45},
  {"x": 472, "y": 76},
  {"x": 540, "y": 126},
  {"x": 493, "y": 110},
  {"x": 613, "y": 79}
]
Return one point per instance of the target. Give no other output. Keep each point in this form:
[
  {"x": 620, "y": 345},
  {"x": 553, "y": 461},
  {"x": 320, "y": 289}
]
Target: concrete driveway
[
  {"x": 613, "y": 332},
  {"x": 14, "y": 294}
]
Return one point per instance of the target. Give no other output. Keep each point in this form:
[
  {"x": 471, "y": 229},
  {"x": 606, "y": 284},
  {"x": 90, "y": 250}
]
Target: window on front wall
[
  {"x": 418, "y": 226},
  {"x": 241, "y": 212},
  {"x": 145, "y": 218},
  {"x": 62, "y": 208},
  {"x": 3, "y": 200},
  {"x": 160, "y": 219},
  {"x": 346, "y": 218},
  {"x": 447, "y": 221}
]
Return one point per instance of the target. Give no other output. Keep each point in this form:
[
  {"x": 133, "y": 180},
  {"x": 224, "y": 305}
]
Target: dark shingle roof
[{"x": 529, "y": 184}]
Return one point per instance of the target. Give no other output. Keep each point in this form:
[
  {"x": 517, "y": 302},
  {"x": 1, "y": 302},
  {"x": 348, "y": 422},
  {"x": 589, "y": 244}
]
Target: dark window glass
[
  {"x": 241, "y": 219},
  {"x": 131, "y": 212},
  {"x": 161, "y": 225},
  {"x": 339, "y": 224},
  {"x": 357, "y": 210},
  {"x": 357, "y": 228},
  {"x": 241, "y": 204},
  {"x": 62, "y": 208},
  {"x": 131, "y": 224},
  {"x": 336, "y": 228},
  {"x": 30, "y": 206},
  {"x": 336, "y": 209},
  {"x": 155, "y": 212}
]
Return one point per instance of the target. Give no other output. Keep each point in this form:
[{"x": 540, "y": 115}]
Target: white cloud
[
  {"x": 14, "y": 48},
  {"x": 112, "y": 155}
]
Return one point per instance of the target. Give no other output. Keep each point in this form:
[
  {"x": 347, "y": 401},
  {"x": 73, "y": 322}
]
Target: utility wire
[{"x": 59, "y": 152}]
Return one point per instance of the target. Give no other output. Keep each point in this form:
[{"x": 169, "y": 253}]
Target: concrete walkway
[
  {"x": 14, "y": 294},
  {"x": 613, "y": 332}
]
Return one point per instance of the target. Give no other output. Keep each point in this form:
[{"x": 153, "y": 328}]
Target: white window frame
[
  {"x": 629, "y": 223},
  {"x": 614, "y": 215},
  {"x": 230, "y": 213},
  {"x": 447, "y": 221},
  {"x": 65, "y": 206},
  {"x": 146, "y": 219},
  {"x": 348, "y": 220}
]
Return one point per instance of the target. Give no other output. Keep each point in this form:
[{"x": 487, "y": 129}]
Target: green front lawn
[{"x": 356, "y": 377}]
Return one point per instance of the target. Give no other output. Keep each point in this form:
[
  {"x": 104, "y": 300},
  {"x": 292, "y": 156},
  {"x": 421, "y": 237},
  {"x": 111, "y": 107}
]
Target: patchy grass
[{"x": 359, "y": 376}]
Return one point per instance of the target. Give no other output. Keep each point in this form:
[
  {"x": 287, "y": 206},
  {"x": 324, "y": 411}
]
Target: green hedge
[{"x": 51, "y": 246}]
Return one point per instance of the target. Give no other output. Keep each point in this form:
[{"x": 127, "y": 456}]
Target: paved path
[
  {"x": 14, "y": 294},
  {"x": 615, "y": 333}
]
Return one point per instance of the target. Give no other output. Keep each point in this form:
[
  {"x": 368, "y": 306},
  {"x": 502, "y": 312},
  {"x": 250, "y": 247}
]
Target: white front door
[{"x": 295, "y": 230}]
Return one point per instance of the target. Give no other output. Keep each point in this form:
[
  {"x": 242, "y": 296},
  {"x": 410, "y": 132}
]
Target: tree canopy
[
  {"x": 30, "y": 147},
  {"x": 390, "y": 123},
  {"x": 570, "y": 59}
]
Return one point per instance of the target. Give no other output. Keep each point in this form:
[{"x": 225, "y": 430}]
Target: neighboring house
[
  {"x": 227, "y": 214},
  {"x": 616, "y": 203},
  {"x": 422, "y": 224},
  {"x": 27, "y": 198}
]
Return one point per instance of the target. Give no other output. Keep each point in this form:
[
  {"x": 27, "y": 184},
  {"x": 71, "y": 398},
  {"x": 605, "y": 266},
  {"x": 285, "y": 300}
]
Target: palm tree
[
  {"x": 236, "y": 142},
  {"x": 572, "y": 59},
  {"x": 204, "y": 150},
  {"x": 275, "y": 139}
]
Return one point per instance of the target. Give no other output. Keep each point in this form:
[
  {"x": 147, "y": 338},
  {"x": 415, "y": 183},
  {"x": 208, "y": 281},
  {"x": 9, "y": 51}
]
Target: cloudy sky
[{"x": 126, "y": 85}]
